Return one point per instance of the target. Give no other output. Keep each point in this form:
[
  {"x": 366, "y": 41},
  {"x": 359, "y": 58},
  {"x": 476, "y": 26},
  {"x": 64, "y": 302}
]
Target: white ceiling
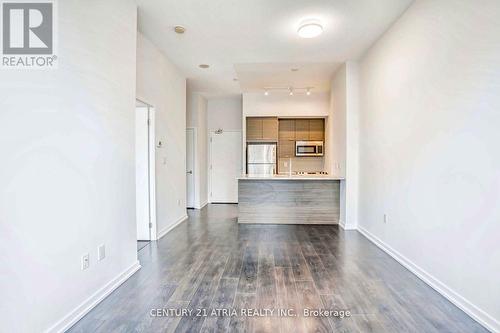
[{"x": 257, "y": 39}]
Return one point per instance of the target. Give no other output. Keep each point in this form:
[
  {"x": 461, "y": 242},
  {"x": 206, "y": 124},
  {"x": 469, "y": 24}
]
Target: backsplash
[{"x": 307, "y": 164}]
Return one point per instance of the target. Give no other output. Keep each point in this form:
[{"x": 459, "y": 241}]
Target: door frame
[
  {"x": 195, "y": 159},
  {"x": 211, "y": 132},
  {"x": 153, "y": 235}
]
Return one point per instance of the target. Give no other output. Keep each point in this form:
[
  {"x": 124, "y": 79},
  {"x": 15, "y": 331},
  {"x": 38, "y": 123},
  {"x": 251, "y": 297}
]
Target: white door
[
  {"x": 190, "y": 167},
  {"x": 225, "y": 166},
  {"x": 142, "y": 172}
]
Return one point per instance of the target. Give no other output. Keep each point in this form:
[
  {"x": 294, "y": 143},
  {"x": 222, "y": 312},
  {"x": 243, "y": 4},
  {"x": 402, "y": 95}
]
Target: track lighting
[{"x": 291, "y": 90}]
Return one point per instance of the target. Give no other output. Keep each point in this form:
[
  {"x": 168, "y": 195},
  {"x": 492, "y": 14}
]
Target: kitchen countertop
[{"x": 288, "y": 177}]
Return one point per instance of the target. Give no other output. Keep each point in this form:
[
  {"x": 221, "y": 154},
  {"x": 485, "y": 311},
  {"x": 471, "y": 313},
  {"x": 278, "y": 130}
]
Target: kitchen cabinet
[
  {"x": 302, "y": 129},
  {"x": 254, "y": 128},
  {"x": 310, "y": 129},
  {"x": 286, "y": 149},
  {"x": 262, "y": 129},
  {"x": 316, "y": 129},
  {"x": 270, "y": 129},
  {"x": 287, "y": 129}
]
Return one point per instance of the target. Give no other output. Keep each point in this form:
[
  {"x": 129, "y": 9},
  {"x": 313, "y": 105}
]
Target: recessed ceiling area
[
  {"x": 256, "y": 77},
  {"x": 225, "y": 33}
]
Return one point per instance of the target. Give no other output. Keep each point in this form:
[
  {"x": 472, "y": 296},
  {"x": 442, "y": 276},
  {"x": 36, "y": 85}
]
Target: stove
[{"x": 305, "y": 173}]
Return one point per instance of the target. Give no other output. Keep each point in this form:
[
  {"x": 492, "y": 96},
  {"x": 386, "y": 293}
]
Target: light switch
[{"x": 101, "y": 252}]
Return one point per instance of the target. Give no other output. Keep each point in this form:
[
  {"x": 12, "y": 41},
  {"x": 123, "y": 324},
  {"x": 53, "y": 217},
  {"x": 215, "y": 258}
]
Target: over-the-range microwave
[{"x": 308, "y": 148}]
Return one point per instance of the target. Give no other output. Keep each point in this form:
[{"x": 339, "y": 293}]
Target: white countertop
[{"x": 288, "y": 177}]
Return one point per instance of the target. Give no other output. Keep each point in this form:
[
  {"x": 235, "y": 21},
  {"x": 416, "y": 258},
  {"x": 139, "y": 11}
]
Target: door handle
[{"x": 190, "y": 172}]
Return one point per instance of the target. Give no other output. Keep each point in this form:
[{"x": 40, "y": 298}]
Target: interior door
[
  {"x": 225, "y": 166},
  {"x": 190, "y": 167},
  {"x": 142, "y": 172}
]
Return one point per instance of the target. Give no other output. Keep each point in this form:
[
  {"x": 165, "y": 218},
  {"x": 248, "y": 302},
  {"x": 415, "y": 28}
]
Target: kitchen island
[{"x": 285, "y": 199}]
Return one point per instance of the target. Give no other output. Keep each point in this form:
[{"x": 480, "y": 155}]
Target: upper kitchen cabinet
[
  {"x": 287, "y": 129},
  {"x": 254, "y": 128},
  {"x": 302, "y": 129},
  {"x": 270, "y": 129},
  {"x": 262, "y": 129},
  {"x": 310, "y": 129},
  {"x": 316, "y": 129}
]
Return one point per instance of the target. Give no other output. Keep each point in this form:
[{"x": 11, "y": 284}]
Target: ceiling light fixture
[
  {"x": 179, "y": 29},
  {"x": 310, "y": 29},
  {"x": 291, "y": 91},
  {"x": 266, "y": 92},
  {"x": 204, "y": 66},
  {"x": 294, "y": 69},
  {"x": 308, "y": 92}
]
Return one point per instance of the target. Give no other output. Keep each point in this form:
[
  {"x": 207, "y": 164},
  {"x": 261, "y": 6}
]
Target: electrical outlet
[
  {"x": 386, "y": 218},
  {"x": 85, "y": 261},
  {"x": 101, "y": 252}
]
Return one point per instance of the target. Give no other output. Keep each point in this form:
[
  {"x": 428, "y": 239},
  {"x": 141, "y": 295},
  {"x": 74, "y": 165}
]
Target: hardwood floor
[{"x": 211, "y": 262}]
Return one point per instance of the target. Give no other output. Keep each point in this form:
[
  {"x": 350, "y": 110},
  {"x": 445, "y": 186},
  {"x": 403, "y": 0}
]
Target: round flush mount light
[
  {"x": 179, "y": 29},
  {"x": 204, "y": 66},
  {"x": 310, "y": 28},
  {"x": 294, "y": 69}
]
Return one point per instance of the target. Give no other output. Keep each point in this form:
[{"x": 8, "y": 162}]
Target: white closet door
[
  {"x": 225, "y": 166},
  {"x": 142, "y": 173}
]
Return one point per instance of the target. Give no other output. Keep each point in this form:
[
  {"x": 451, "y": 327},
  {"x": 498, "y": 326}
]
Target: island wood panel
[{"x": 289, "y": 202}]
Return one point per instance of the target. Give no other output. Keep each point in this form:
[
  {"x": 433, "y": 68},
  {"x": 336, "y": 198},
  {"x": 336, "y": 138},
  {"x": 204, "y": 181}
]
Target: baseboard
[
  {"x": 202, "y": 205},
  {"x": 91, "y": 302},
  {"x": 347, "y": 227},
  {"x": 473, "y": 311},
  {"x": 169, "y": 228}
]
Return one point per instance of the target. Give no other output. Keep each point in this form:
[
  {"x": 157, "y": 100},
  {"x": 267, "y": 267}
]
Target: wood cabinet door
[
  {"x": 286, "y": 149},
  {"x": 302, "y": 129},
  {"x": 316, "y": 129},
  {"x": 254, "y": 128},
  {"x": 270, "y": 129},
  {"x": 287, "y": 129}
]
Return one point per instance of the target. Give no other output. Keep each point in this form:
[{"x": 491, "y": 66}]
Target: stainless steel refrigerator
[{"x": 261, "y": 159}]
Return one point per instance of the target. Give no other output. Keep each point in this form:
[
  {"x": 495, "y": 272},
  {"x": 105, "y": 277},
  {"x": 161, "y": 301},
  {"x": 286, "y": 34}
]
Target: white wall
[
  {"x": 336, "y": 126},
  {"x": 67, "y": 172},
  {"x": 225, "y": 113},
  {"x": 429, "y": 147},
  {"x": 282, "y": 105},
  {"x": 197, "y": 118},
  {"x": 159, "y": 83},
  {"x": 343, "y": 134}
]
